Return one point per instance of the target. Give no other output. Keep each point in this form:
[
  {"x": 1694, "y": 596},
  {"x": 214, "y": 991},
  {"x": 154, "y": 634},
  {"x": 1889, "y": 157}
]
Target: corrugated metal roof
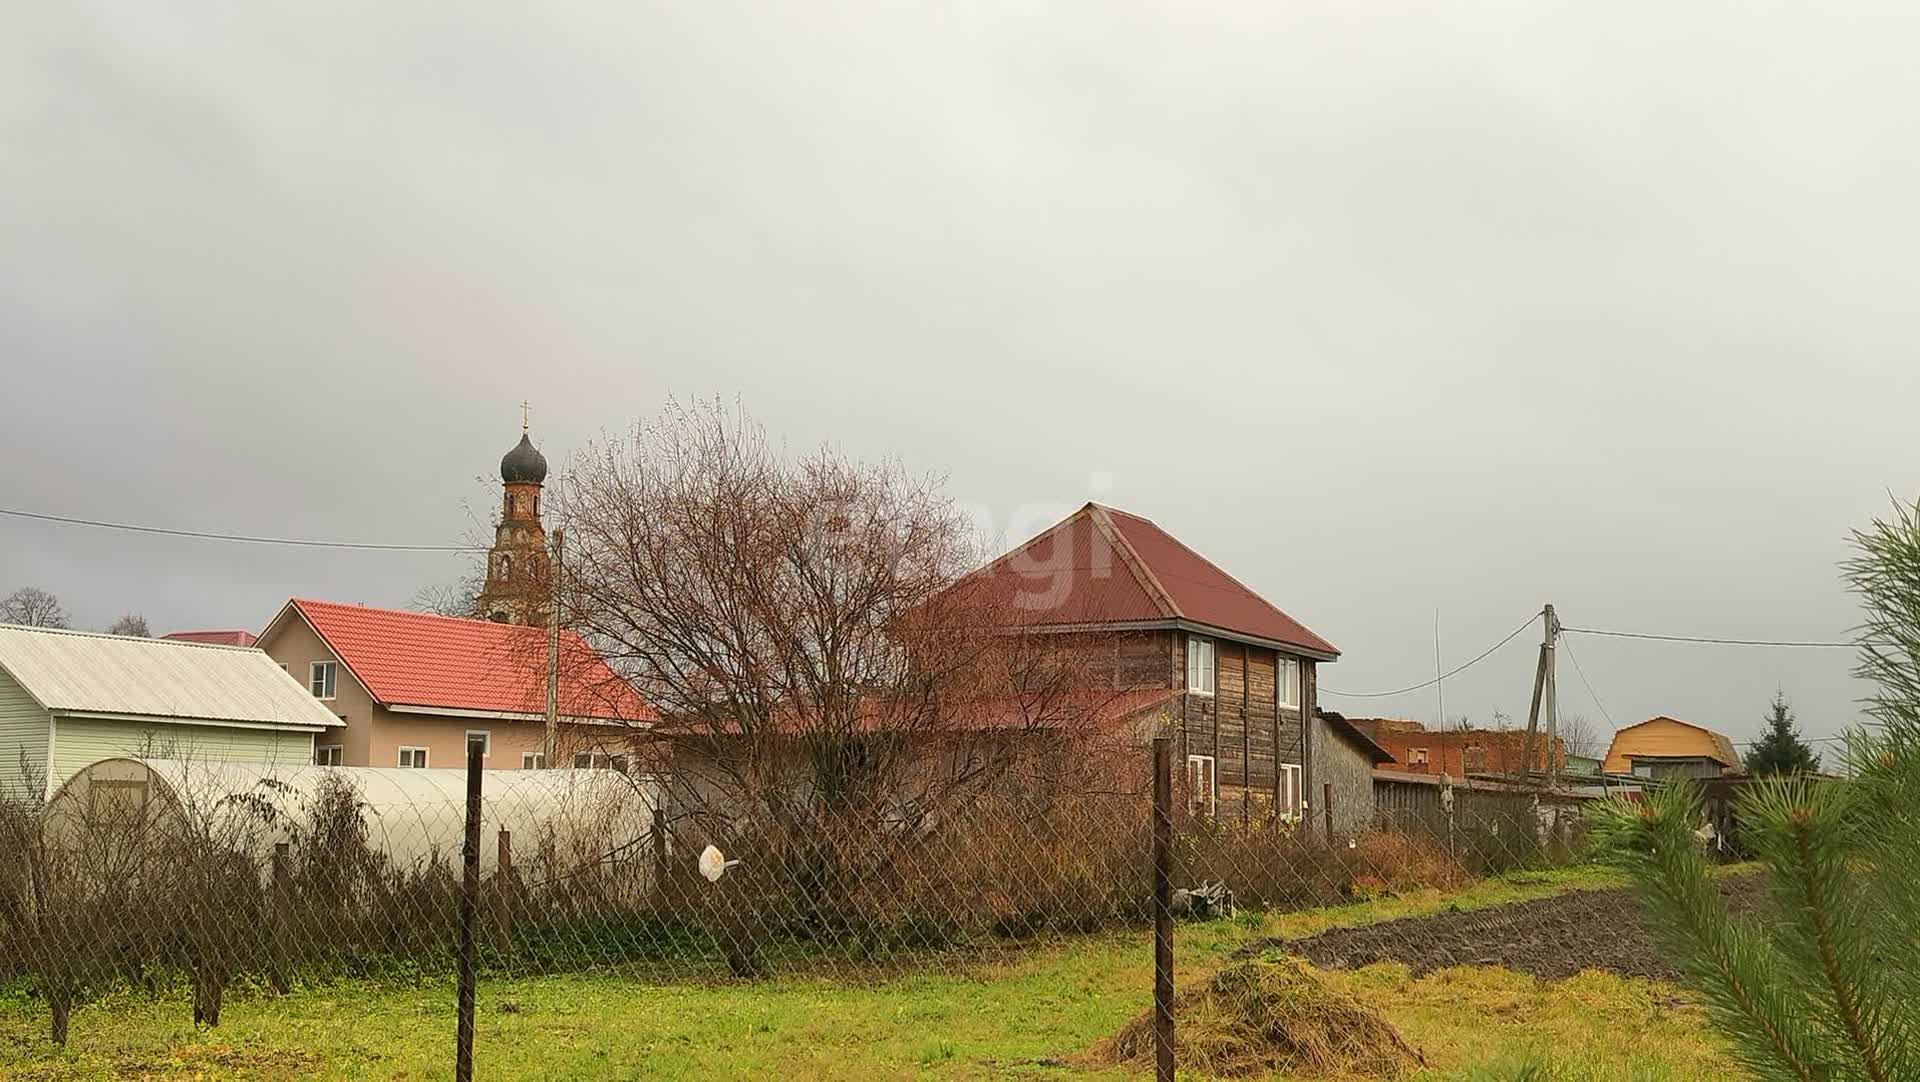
[
  {"x": 163, "y": 679},
  {"x": 419, "y": 659},
  {"x": 1104, "y": 566}
]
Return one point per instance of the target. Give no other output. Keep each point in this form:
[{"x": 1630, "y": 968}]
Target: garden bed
[{"x": 1553, "y": 937}]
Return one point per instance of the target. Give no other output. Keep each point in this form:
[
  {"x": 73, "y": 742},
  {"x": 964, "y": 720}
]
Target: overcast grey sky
[{"x": 1388, "y": 308}]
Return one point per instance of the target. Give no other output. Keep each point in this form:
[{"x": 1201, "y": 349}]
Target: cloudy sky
[{"x": 1394, "y": 310}]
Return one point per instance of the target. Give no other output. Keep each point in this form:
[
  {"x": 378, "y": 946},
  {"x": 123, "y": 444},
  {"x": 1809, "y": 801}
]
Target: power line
[
  {"x": 1707, "y": 640},
  {"x": 1482, "y": 656},
  {"x": 242, "y": 538},
  {"x": 1592, "y": 694}
]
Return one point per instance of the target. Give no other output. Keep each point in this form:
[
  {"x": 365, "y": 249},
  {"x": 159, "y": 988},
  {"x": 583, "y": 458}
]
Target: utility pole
[
  {"x": 1542, "y": 690},
  {"x": 553, "y": 649}
]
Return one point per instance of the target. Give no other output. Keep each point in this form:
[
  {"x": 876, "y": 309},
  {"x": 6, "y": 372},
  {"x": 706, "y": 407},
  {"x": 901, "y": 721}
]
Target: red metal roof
[
  {"x": 418, "y": 659},
  {"x": 216, "y": 638},
  {"x": 1106, "y": 566}
]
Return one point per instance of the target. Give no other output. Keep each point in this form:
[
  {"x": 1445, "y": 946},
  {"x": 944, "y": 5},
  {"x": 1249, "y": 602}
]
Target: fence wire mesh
[{"x": 204, "y": 880}]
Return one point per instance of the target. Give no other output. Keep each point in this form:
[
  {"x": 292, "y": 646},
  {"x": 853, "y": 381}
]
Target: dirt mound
[
  {"x": 1261, "y": 1015},
  {"x": 1553, "y": 937}
]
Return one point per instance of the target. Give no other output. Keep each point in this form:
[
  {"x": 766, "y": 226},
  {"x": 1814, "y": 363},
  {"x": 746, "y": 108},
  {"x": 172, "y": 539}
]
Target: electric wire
[
  {"x": 1482, "y": 656},
  {"x": 206, "y": 535}
]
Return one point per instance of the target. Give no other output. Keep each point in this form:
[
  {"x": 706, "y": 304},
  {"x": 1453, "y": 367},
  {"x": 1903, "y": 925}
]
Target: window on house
[
  {"x": 532, "y": 760},
  {"x": 414, "y": 757},
  {"x": 1202, "y": 793},
  {"x": 480, "y": 737},
  {"x": 1417, "y": 758},
  {"x": 329, "y": 755},
  {"x": 1474, "y": 758},
  {"x": 596, "y": 761},
  {"x": 1200, "y": 666},
  {"x": 1290, "y": 806},
  {"x": 321, "y": 677},
  {"x": 1286, "y": 681}
]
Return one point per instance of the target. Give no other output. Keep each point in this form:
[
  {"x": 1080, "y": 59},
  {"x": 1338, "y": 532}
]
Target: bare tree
[
  {"x": 460, "y": 597},
  {"x": 807, "y": 629},
  {"x": 33, "y": 607},
  {"x": 1579, "y": 735},
  {"x": 131, "y": 624}
]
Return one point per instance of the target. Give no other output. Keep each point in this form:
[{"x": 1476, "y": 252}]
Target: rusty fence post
[
  {"x": 1162, "y": 908},
  {"x": 279, "y": 925},
  {"x": 1326, "y": 806},
  {"x": 469, "y": 905}
]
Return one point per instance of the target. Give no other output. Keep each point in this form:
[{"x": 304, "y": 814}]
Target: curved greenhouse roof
[{"x": 414, "y": 818}]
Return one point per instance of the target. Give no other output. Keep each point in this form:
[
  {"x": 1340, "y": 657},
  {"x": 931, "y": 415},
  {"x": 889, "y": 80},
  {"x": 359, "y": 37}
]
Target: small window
[
  {"x": 1290, "y": 803},
  {"x": 329, "y": 755},
  {"x": 584, "y": 760},
  {"x": 1474, "y": 758},
  {"x": 1201, "y": 792},
  {"x": 321, "y": 677},
  {"x": 1417, "y": 757},
  {"x": 480, "y": 737},
  {"x": 532, "y": 760},
  {"x": 1286, "y": 682},
  {"x": 414, "y": 757},
  {"x": 1200, "y": 666}
]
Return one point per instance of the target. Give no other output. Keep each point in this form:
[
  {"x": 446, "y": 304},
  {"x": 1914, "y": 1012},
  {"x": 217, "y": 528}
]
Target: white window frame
[
  {"x": 1209, "y": 767},
  {"x": 598, "y": 760},
  {"x": 1286, "y": 682},
  {"x": 331, "y": 684},
  {"x": 486, "y": 742},
  {"x": 329, "y": 754},
  {"x": 1208, "y": 669},
  {"x": 1425, "y": 754},
  {"x": 1292, "y": 803},
  {"x": 405, "y": 749},
  {"x": 533, "y": 760}
]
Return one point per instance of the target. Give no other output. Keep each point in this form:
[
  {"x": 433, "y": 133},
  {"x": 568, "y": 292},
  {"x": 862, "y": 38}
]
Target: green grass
[{"x": 1032, "y": 1015}]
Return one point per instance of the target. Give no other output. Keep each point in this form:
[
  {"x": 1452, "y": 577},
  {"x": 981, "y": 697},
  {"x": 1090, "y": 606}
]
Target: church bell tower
[{"x": 517, "y": 589}]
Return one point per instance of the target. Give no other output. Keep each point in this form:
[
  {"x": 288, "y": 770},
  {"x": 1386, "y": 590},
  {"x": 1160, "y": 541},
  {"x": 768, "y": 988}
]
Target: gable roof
[
  {"x": 1724, "y": 751},
  {"x": 1340, "y": 726},
  {"x": 81, "y": 672},
  {"x": 1103, "y": 566},
  {"x": 416, "y": 659}
]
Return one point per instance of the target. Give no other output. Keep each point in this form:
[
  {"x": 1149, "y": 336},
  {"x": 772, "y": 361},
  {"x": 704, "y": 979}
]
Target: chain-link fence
[{"x": 163, "y": 874}]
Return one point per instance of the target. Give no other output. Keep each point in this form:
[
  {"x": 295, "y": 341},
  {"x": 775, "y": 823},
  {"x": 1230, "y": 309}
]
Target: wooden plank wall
[{"x": 1241, "y": 725}]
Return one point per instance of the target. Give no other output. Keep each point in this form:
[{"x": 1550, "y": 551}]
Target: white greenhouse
[{"x": 570, "y": 820}]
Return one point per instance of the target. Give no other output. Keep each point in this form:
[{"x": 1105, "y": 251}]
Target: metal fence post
[
  {"x": 1326, "y": 803},
  {"x": 277, "y": 971},
  {"x": 469, "y": 907},
  {"x": 1162, "y": 908},
  {"x": 503, "y": 890}
]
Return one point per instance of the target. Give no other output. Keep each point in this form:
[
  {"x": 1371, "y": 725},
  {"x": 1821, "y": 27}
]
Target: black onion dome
[{"x": 524, "y": 464}]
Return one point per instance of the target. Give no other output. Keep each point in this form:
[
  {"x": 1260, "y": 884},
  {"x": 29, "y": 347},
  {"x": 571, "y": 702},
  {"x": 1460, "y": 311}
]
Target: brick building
[{"x": 1458, "y": 753}]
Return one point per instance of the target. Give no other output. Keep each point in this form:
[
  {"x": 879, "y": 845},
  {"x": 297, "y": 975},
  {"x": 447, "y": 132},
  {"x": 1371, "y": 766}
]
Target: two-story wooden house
[{"x": 1242, "y": 672}]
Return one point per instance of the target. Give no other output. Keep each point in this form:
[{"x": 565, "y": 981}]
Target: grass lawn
[{"x": 1032, "y": 1016}]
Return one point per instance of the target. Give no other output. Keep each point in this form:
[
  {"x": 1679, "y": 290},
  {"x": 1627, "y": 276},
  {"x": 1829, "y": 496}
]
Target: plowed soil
[{"x": 1553, "y": 937}]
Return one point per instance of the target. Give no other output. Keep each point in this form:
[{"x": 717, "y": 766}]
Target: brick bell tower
[{"x": 516, "y": 591}]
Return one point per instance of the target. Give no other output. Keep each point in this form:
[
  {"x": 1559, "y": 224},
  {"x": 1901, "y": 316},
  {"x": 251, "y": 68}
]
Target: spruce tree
[
  {"x": 1827, "y": 985},
  {"x": 1780, "y": 749}
]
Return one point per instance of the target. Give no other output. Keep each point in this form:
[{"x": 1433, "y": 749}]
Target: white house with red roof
[
  {"x": 1239, "y": 672},
  {"x": 415, "y": 689}
]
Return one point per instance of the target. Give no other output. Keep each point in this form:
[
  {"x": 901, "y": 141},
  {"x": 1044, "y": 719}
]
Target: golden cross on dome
[{"x": 525, "y": 409}]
